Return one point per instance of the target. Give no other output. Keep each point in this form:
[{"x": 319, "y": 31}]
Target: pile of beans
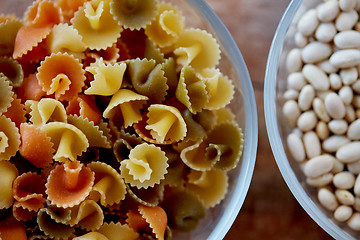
[{"x": 322, "y": 105}]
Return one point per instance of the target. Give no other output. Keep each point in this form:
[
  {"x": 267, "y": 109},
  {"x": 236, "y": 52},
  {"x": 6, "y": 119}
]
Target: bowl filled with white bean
[{"x": 312, "y": 110}]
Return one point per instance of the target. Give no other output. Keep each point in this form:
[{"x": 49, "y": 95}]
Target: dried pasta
[{"x": 114, "y": 121}]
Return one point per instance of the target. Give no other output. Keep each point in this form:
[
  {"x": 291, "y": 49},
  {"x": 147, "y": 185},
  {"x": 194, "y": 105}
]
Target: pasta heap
[{"x": 114, "y": 121}]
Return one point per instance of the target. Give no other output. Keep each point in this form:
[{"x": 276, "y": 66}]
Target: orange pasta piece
[
  {"x": 11, "y": 230},
  {"x": 109, "y": 55},
  {"x": 27, "y": 38},
  {"x": 69, "y": 184},
  {"x": 43, "y": 13},
  {"x": 69, "y": 7},
  {"x": 29, "y": 186},
  {"x": 157, "y": 219},
  {"x": 84, "y": 106},
  {"x": 30, "y": 89},
  {"x": 36, "y": 54},
  {"x": 61, "y": 74},
  {"x": 16, "y": 112},
  {"x": 22, "y": 213},
  {"x": 136, "y": 221},
  {"x": 35, "y": 146}
]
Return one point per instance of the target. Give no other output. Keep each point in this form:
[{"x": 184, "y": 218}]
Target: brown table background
[{"x": 270, "y": 211}]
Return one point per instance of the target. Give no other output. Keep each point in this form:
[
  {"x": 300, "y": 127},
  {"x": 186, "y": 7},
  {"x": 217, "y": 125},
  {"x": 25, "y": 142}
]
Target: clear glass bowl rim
[{"x": 274, "y": 134}]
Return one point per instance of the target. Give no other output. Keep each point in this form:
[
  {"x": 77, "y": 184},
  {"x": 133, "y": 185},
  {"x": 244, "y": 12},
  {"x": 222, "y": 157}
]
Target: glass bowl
[
  {"x": 198, "y": 14},
  {"x": 278, "y": 129}
]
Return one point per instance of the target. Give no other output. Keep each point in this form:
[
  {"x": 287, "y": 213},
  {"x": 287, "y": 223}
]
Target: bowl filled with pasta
[
  {"x": 311, "y": 110},
  {"x": 122, "y": 120}
]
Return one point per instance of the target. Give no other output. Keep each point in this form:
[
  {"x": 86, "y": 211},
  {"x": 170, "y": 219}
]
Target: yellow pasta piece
[
  {"x": 191, "y": 91},
  {"x": 9, "y": 138},
  {"x": 8, "y": 173},
  {"x": 92, "y": 132},
  {"x": 195, "y": 130},
  {"x": 194, "y": 157},
  {"x": 6, "y": 93},
  {"x": 153, "y": 52},
  {"x": 146, "y": 166},
  {"x": 165, "y": 123},
  {"x": 128, "y": 104},
  {"x": 12, "y": 70},
  {"x": 134, "y": 14},
  {"x": 165, "y": 29},
  {"x": 52, "y": 228},
  {"x": 109, "y": 187},
  {"x": 197, "y": 48},
  {"x": 96, "y": 25},
  {"x": 224, "y": 115},
  {"x": 46, "y": 110},
  {"x": 218, "y": 86},
  {"x": 91, "y": 236},
  {"x": 65, "y": 38},
  {"x": 69, "y": 141},
  {"x": 88, "y": 215},
  {"x": 118, "y": 231},
  {"x": 107, "y": 78},
  {"x": 150, "y": 196},
  {"x": 170, "y": 72},
  {"x": 211, "y": 186},
  {"x": 8, "y": 31}
]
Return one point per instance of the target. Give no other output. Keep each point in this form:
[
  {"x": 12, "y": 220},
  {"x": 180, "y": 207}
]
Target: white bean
[
  {"x": 322, "y": 130},
  {"x": 334, "y": 106},
  {"x": 356, "y": 86},
  {"x": 291, "y": 94},
  {"x": 307, "y": 121},
  {"x": 357, "y": 186},
  {"x": 346, "y": 94},
  {"x": 348, "y": 75},
  {"x": 334, "y": 142},
  {"x": 345, "y": 58},
  {"x": 327, "y": 199},
  {"x": 344, "y": 197},
  {"x": 308, "y": 23},
  {"x": 318, "y": 165},
  {"x": 328, "y": 10},
  {"x": 335, "y": 81},
  {"x": 347, "y": 5},
  {"x": 320, "y": 181},
  {"x": 291, "y": 112},
  {"x": 353, "y": 132},
  {"x": 354, "y": 167},
  {"x": 350, "y": 114},
  {"x": 300, "y": 40},
  {"x": 316, "y": 77},
  {"x": 338, "y": 126},
  {"x": 306, "y": 97},
  {"x": 296, "y": 147},
  {"x": 312, "y": 144},
  {"x": 347, "y": 39},
  {"x": 320, "y": 110},
  {"x": 349, "y": 152},
  {"x": 344, "y": 180},
  {"x": 294, "y": 61},
  {"x": 325, "y": 32},
  {"x": 343, "y": 213},
  {"x": 315, "y": 52},
  {"x": 346, "y": 20},
  {"x": 338, "y": 166},
  {"x": 296, "y": 81},
  {"x": 354, "y": 221}
]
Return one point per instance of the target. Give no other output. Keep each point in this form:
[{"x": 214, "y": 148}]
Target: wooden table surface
[{"x": 270, "y": 211}]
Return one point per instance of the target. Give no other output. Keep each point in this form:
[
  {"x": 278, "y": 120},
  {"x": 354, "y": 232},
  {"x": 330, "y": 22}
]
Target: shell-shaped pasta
[
  {"x": 148, "y": 78},
  {"x": 61, "y": 74},
  {"x": 227, "y": 140},
  {"x": 218, "y": 86},
  {"x": 91, "y": 236},
  {"x": 88, "y": 215},
  {"x": 69, "y": 141},
  {"x": 84, "y": 106},
  {"x": 96, "y": 25},
  {"x": 16, "y": 112},
  {"x": 194, "y": 157},
  {"x": 109, "y": 187},
  {"x": 30, "y": 89},
  {"x": 107, "y": 78},
  {"x": 146, "y": 166},
  {"x": 8, "y": 173},
  {"x": 69, "y": 184},
  {"x": 197, "y": 48},
  {"x": 156, "y": 218},
  {"x": 92, "y": 132},
  {"x": 8, "y": 31},
  {"x": 211, "y": 186},
  {"x": 184, "y": 210},
  {"x": 6, "y": 93},
  {"x": 28, "y": 38},
  {"x": 9, "y": 138},
  {"x": 114, "y": 231},
  {"x": 65, "y": 38},
  {"x": 149, "y": 197},
  {"x": 134, "y": 14},
  {"x": 165, "y": 123},
  {"x": 35, "y": 146},
  {"x": 165, "y": 29},
  {"x": 46, "y": 110},
  {"x": 12, "y": 70},
  {"x": 43, "y": 13},
  {"x": 29, "y": 191},
  {"x": 52, "y": 228},
  {"x": 195, "y": 130},
  {"x": 128, "y": 104},
  {"x": 191, "y": 91}
]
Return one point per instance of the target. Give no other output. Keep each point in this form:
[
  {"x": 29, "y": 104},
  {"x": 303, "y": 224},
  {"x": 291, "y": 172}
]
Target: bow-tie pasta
[{"x": 114, "y": 121}]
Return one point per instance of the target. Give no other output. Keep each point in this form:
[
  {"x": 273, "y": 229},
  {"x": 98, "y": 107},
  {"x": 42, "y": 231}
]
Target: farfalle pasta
[{"x": 114, "y": 121}]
